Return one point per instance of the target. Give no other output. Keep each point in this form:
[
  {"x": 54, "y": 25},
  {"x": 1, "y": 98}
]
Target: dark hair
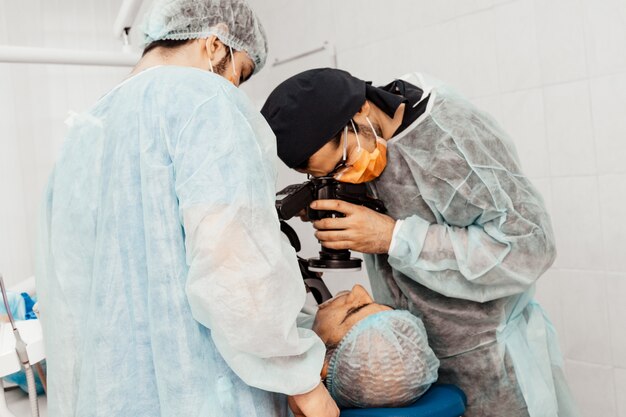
[
  {"x": 336, "y": 140},
  {"x": 165, "y": 43}
]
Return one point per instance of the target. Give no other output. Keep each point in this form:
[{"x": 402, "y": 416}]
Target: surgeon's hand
[
  {"x": 362, "y": 230},
  {"x": 316, "y": 403}
]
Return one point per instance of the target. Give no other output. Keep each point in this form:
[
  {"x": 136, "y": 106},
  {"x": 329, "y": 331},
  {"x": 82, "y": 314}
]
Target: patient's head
[
  {"x": 337, "y": 315},
  {"x": 376, "y": 356}
]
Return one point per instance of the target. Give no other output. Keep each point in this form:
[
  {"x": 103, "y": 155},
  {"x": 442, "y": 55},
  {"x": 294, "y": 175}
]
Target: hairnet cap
[
  {"x": 307, "y": 110},
  {"x": 383, "y": 361},
  {"x": 232, "y": 21}
]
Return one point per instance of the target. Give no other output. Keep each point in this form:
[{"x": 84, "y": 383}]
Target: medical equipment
[
  {"x": 295, "y": 198},
  {"x": 20, "y": 347}
]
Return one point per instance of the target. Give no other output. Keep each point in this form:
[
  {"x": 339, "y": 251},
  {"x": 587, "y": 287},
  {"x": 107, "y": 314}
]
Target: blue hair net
[
  {"x": 383, "y": 361},
  {"x": 232, "y": 21}
]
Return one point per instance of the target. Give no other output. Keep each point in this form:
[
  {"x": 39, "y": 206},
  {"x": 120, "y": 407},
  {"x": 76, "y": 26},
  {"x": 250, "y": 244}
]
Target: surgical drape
[{"x": 165, "y": 285}]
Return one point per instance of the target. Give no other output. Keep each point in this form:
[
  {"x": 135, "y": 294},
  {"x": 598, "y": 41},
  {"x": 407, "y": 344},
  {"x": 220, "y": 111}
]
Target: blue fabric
[
  {"x": 440, "y": 400},
  {"x": 19, "y": 378},
  {"x": 29, "y": 303},
  {"x": 23, "y": 311},
  {"x": 166, "y": 287},
  {"x": 17, "y": 305}
]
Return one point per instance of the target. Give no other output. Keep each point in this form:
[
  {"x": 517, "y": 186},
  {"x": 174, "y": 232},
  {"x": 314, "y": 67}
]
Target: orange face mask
[{"x": 368, "y": 165}]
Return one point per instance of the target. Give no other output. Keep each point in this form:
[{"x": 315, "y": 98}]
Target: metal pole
[
  {"x": 126, "y": 16},
  {"x": 28, "y": 55},
  {"x": 324, "y": 47}
]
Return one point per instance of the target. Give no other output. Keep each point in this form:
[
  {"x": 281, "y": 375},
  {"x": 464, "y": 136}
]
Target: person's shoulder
[
  {"x": 178, "y": 83},
  {"x": 181, "y": 91},
  {"x": 195, "y": 86}
]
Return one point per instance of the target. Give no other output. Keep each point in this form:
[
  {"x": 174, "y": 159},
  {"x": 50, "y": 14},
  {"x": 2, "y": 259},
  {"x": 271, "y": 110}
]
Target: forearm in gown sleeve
[
  {"x": 244, "y": 282},
  {"x": 501, "y": 253}
]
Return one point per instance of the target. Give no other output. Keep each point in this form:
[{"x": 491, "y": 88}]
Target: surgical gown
[
  {"x": 474, "y": 237},
  {"x": 166, "y": 286}
]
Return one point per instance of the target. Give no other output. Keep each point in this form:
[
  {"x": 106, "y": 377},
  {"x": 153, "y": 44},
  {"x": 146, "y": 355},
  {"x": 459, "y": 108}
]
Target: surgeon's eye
[{"x": 340, "y": 165}]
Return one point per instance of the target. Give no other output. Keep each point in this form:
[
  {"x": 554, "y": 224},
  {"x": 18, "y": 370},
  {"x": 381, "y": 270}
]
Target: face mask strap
[
  {"x": 232, "y": 60},
  {"x": 211, "y": 66},
  {"x": 372, "y": 127},
  {"x": 345, "y": 144},
  {"x": 358, "y": 142}
]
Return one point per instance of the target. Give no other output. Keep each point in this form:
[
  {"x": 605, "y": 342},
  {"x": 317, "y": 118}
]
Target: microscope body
[{"x": 295, "y": 198}]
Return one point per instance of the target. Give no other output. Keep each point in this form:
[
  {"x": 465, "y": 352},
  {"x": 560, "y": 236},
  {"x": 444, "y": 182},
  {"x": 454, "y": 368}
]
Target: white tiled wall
[
  {"x": 554, "y": 73},
  {"x": 34, "y": 102}
]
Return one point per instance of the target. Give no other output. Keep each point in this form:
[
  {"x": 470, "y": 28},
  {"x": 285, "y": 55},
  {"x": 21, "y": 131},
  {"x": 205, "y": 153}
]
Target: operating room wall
[
  {"x": 553, "y": 72},
  {"x": 34, "y": 102}
]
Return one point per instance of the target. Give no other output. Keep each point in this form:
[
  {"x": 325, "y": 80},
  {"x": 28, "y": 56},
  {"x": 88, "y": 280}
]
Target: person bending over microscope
[{"x": 466, "y": 235}]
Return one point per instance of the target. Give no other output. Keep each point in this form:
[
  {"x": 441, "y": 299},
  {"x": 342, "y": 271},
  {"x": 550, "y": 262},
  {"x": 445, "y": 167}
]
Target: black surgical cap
[{"x": 309, "y": 109}]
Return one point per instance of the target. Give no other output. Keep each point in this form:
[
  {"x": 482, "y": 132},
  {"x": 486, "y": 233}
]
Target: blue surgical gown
[{"x": 166, "y": 287}]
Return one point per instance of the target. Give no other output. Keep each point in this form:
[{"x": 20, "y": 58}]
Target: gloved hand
[
  {"x": 316, "y": 403},
  {"x": 363, "y": 230}
]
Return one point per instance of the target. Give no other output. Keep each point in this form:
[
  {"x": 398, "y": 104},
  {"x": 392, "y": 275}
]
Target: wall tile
[
  {"x": 4, "y": 35},
  {"x": 390, "y": 18},
  {"x": 433, "y": 50},
  {"x": 491, "y": 105},
  {"x": 301, "y": 38},
  {"x": 549, "y": 294},
  {"x": 585, "y": 317},
  {"x": 575, "y": 218},
  {"x": 22, "y": 18},
  {"x": 620, "y": 390},
  {"x": 523, "y": 119},
  {"x": 359, "y": 63},
  {"x": 612, "y": 190},
  {"x": 593, "y": 388},
  {"x": 608, "y": 105},
  {"x": 616, "y": 288},
  {"x": 561, "y": 40},
  {"x": 518, "y": 57},
  {"x": 353, "y": 24},
  {"x": 480, "y": 66},
  {"x": 429, "y": 13},
  {"x": 15, "y": 256},
  {"x": 605, "y": 36},
  {"x": 544, "y": 186},
  {"x": 569, "y": 129}
]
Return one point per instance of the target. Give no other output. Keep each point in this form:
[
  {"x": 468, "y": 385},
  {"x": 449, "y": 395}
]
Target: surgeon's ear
[
  {"x": 213, "y": 45},
  {"x": 365, "y": 109}
]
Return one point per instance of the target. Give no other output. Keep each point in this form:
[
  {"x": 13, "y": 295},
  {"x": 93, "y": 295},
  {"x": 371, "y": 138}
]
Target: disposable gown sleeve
[
  {"x": 243, "y": 281},
  {"x": 492, "y": 236}
]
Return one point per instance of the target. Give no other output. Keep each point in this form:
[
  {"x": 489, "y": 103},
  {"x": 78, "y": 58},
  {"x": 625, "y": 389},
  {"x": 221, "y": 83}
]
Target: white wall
[
  {"x": 34, "y": 102},
  {"x": 554, "y": 73}
]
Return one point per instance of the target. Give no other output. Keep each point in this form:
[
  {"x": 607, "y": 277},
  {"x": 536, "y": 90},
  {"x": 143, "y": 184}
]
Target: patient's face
[{"x": 336, "y": 316}]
